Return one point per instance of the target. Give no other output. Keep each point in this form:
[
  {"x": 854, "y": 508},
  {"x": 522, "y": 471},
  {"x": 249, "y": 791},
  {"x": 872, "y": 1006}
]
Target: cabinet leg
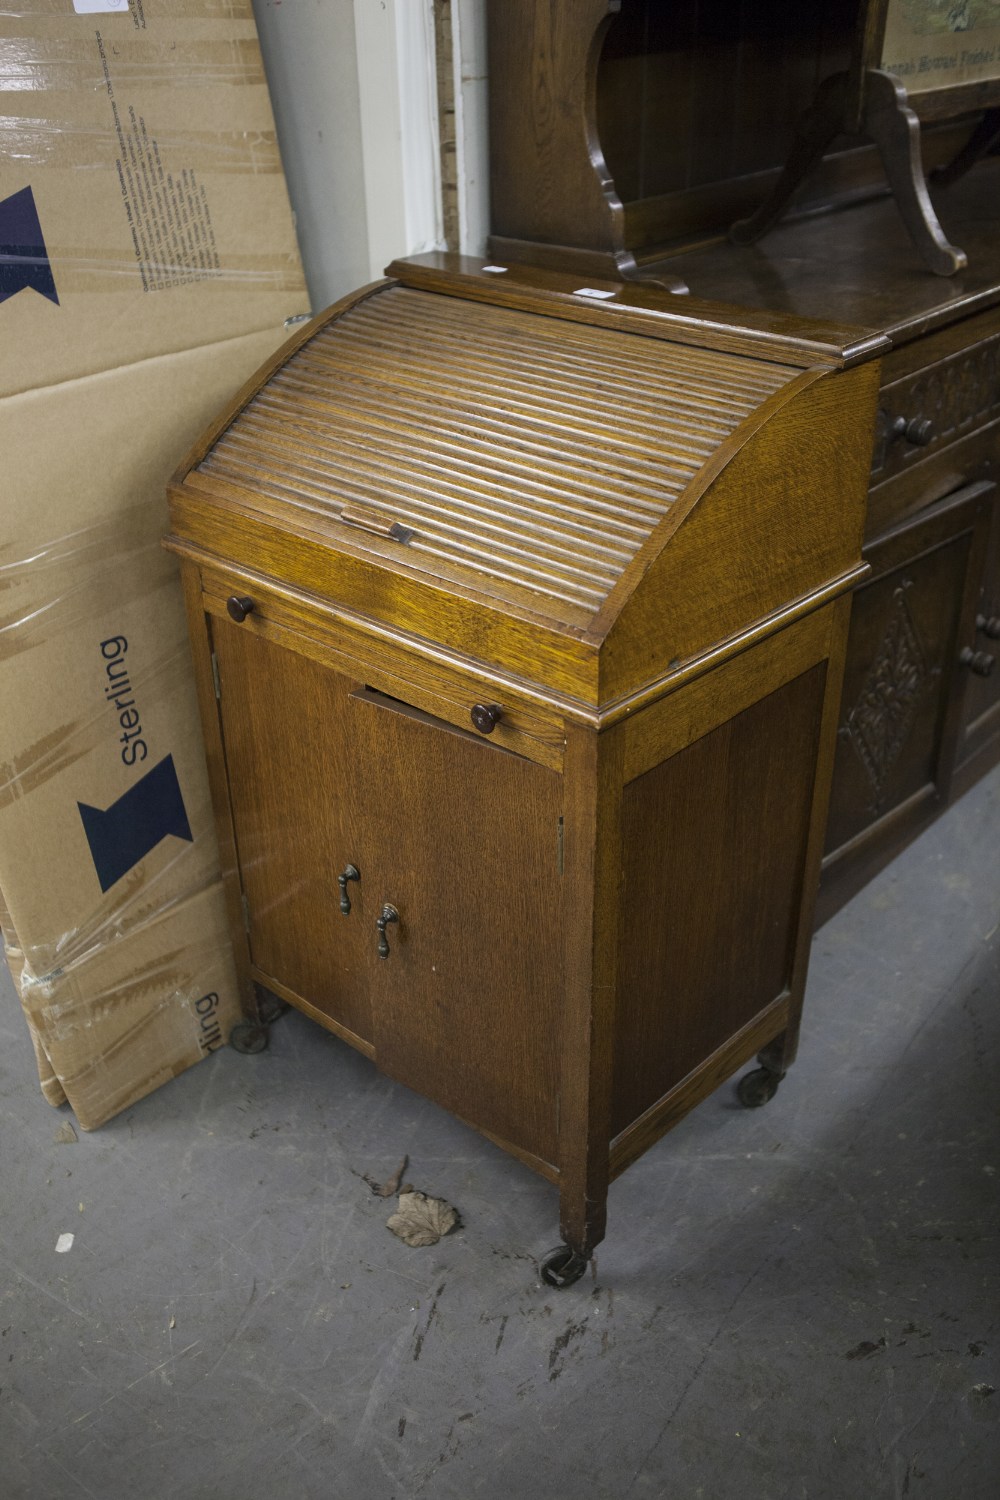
[
  {"x": 250, "y": 1035},
  {"x": 582, "y": 1221},
  {"x": 760, "y": 1086}
]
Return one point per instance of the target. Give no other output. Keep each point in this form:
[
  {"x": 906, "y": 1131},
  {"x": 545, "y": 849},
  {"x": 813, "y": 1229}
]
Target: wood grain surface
[{"x": 537, "y": 622}]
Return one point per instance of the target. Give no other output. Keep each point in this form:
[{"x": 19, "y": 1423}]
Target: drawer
[
  {"x": 952, "y": 393},
  {"x": 509, "y": 713}
]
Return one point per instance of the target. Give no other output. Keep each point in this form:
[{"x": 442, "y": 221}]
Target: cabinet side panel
[{"x": 714, "y": 843}]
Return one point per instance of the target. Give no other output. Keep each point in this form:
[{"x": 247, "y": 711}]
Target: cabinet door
[
  {"x": 464, "y": 838},
  {"x": 904, "y": 686},
  {"x": 289, "y": 768},
  {"x": 981, "y": 717}
]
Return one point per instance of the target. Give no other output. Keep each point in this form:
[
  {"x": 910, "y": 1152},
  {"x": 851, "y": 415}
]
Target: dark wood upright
[{"x": 684, "y": 116}]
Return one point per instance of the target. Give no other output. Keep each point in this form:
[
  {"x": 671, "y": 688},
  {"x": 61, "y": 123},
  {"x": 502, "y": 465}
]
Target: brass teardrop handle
[
  {"x": 389, "y": 914},
  {"x": 980, "y": 662},
  {"x": 989, "y": 625},
  {"x": 350, "y": 872},
  {"x": 239, "y": 606}
]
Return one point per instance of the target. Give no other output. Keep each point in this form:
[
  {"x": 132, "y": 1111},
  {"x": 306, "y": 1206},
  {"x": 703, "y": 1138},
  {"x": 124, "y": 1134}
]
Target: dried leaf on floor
[
  {"x": 420, "y": 1220},
  {"x": 391, "y": 1187}
]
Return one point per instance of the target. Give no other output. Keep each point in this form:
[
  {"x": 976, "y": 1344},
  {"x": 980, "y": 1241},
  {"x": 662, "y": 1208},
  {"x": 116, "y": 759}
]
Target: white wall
[
  {"x": 471, "y": 123},
  {"x": 311, "y": 64},
  {"x": 400, "y": 146},
  {"x": 353, "y": 85}
]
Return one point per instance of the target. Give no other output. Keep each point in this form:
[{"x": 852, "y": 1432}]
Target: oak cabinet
[{"x": 519, "y": 623}]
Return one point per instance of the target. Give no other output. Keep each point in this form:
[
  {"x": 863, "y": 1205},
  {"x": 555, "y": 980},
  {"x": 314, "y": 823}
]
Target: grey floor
[{"x": 798, "y": 1301}]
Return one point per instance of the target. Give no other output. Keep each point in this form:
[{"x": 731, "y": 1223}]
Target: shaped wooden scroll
[{"x": 913, "y": 60}]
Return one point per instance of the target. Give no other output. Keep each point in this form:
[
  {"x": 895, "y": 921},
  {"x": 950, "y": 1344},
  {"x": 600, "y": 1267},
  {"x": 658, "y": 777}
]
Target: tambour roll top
[{"x": 588, "y": 490}]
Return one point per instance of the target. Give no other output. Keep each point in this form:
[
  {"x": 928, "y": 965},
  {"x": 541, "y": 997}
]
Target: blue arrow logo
[
  {"x": 124, "y": 833},
  {"x": 24, "y": 260}
]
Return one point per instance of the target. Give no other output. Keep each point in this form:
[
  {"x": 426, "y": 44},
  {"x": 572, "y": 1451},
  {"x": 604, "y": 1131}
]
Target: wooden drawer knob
[
  {"x": 239, "y": 606},
  {"x": 486, "y": 717},
  {"x": 916, "y": 430},
  {"x": 980, "y": 662},
  {"x": 989, "y": 625}
]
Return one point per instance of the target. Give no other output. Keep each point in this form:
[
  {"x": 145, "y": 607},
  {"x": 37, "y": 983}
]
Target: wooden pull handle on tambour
[{"x": 373, "y": 521}]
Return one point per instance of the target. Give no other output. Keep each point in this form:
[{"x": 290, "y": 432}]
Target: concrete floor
[{"x": 797, "y": 1301}]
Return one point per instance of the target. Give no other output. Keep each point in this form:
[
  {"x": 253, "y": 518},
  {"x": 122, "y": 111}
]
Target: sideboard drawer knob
[
  {"x": 239, "y": 606},
  {"x": 980, "y": 662},
  {"x": 989, "y": 625},
  {"x": 486, "y": 717},
  {"x": 916, "y": 430},
  {"x": 919, "y": 431}
]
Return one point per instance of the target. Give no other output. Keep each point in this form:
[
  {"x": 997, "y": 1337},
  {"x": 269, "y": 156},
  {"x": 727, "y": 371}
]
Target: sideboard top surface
[{"x": 859, "y": 263}]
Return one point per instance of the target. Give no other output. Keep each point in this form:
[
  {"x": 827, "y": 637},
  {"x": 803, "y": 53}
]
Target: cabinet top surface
[{"x": 530, "y": 457}]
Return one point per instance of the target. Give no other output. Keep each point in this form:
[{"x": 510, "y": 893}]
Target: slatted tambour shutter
[{"x": 534, "y": 454}]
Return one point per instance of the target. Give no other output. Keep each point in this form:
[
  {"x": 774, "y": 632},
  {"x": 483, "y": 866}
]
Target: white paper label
[
  {"x": 591, "y": 291},
  {"x": 496, "y": 270},
  {"x": 98, "y": 7},
  {"x": 64, "y": 1243}
]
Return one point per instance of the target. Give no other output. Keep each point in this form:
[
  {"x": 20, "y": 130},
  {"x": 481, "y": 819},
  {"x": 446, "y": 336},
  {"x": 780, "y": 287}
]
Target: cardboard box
[
  {"x": 148, "y": 266},
  {"x": 143, "y": 209}
]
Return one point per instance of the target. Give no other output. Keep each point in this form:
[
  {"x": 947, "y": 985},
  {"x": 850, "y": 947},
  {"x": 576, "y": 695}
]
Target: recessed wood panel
[
  {"x": 289, "y": 770},
  {"x": 901, "y": 677},
  {"x": 464, "y": 841},
  {"x": 714, "y": 842},
  {"x": 699, "y": 91}
]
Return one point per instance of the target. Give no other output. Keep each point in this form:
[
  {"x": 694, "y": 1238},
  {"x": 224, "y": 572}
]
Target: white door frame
[{"x": 400, "y": 136}]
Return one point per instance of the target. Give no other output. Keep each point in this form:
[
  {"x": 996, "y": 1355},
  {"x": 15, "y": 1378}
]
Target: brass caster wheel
[
  {"x": 562, "y": 1266},
  {"x": 248, "y": 1037},
  {"x": 757, "y": 1088}
]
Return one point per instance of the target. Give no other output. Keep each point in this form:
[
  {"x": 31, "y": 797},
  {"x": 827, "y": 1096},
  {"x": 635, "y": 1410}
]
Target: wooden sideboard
[
  {"x": 519, "y": 620},
  {"x": 626, "y": 137}
]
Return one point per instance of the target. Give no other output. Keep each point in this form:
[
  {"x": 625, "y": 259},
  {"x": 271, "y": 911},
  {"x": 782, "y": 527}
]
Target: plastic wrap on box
[
  {"x": 136, "y": 1013},
  {"x": 143, "y": 208},
  {"x": 148, "y": 266}
]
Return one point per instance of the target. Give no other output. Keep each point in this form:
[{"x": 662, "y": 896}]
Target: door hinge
[
  {"x": 559, "y": 845},
  {"x": 215, "y": 677},
  {"x": 246, "y": 913}
]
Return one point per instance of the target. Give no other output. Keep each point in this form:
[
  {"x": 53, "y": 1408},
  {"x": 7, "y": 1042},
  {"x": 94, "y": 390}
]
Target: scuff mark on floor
[
  {"x": 419, "y": 1341},
  {"x": 866, "y": 1349},
  {"x": 557, "y": 1355}
]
